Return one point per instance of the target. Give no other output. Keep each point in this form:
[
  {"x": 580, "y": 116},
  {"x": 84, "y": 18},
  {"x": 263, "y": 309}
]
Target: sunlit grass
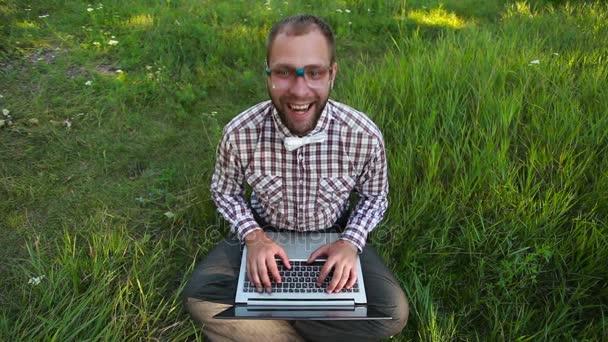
[
  {"x": 438, "y": 17},
  {"x": 27, "y": 25},
  {"x": 140, "y": 21}
]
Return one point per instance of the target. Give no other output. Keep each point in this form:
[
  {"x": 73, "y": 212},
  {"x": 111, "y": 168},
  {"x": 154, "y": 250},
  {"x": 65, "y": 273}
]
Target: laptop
[{"x": 298, "y": 297}]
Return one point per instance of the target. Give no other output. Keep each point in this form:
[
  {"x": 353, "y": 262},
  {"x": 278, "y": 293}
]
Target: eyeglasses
[{"x": 283, "y": 76}]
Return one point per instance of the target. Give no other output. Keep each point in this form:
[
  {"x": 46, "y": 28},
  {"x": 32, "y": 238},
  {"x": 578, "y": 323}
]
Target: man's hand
[
  {"x": 342, "y": 258},
  {"x": 261, "y": 255}
]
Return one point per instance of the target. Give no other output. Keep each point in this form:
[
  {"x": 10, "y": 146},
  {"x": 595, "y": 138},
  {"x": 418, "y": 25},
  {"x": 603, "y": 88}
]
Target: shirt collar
[{"x": 322, "y": 124}]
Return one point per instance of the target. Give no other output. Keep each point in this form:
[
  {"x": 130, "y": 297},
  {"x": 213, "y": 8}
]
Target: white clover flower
[
  {"x": 118, "y": 71},
  {"x": 5, "y": 112},
  {"x": 536, "y": 61},
  {"x": 90, "y": 9},
  {"x": 36, "y": 280},
  {"x": 339, "y": 10},
  {"x": 347, "y": 10},
  {"x": 88, "y": 83},
  {"x": 113, "y": 42},
  {"x": 96, "y": 43}
]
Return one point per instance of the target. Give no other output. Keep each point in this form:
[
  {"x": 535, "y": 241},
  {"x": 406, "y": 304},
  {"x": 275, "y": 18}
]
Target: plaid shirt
[{"x": 309, "y": 188}]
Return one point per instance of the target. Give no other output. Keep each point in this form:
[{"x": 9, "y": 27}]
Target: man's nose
[{"x": 299, "y": 86}]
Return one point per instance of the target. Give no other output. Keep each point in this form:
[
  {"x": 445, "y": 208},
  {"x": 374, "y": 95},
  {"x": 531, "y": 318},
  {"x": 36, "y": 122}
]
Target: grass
[{"x": 498, "y": 206}]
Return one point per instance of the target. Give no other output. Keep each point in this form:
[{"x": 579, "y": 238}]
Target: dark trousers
[{"x": 212, "y": 288}]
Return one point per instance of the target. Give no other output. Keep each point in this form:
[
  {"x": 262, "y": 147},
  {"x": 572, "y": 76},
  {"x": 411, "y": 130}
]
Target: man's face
[{"x": 298, "y": 104}]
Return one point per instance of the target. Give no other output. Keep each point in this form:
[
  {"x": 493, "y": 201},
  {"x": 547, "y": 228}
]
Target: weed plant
[{"x": 493, "y": 112}]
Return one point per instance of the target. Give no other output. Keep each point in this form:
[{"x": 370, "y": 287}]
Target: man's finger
[
  {"x": 284, "y": 258},
  {"x": 343, "y": 279},
  {"x": 254, "y": 278},
  {"x": 263, "y": 274},
  {"x": 273, "y": 269},
  {"x": 317, "y": 253},
  {"x": 352, "y": 279},
  {"x": 335, "y": 279},
  {"x": 325, "y": 272}
]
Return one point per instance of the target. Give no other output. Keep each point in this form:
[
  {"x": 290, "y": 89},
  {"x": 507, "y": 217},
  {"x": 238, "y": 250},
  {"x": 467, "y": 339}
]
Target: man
[{"x": 303, "y": 155}]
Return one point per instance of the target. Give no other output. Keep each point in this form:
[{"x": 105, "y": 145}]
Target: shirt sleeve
[
  {"x": 227, "y": 189},
  {"x": 372, "y": 190}
]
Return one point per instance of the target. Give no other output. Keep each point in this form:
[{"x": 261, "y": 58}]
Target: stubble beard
[{"x": 305, "y": 130}]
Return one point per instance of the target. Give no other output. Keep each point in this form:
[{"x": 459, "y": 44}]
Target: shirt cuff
[
  {"x": 244, "y": 227},
  {"x": 358, "y": 242}
]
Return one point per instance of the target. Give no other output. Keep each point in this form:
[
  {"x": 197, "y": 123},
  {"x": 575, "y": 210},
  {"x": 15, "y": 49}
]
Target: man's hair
[{"x": 299, "y": 25}]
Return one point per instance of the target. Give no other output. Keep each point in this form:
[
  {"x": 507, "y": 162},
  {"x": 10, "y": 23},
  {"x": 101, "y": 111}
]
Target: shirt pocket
[
  {"x": 333, "y": 192},
  {"x": 267, "y": 188}
]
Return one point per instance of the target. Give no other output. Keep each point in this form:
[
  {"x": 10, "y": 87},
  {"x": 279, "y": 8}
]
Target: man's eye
[
  {"x": 315, "y": 73},
  {"x": 282, "y": 73}
]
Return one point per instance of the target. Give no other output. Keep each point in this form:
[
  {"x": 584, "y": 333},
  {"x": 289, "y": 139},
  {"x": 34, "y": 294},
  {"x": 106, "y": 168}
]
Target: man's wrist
[
  {"x": 253, "y": 236},
  {"x": 350, "y": 245}
]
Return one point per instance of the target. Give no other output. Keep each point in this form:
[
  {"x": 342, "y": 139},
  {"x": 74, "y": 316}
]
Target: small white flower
[
  {"x": 43, "y": 16},
  {"x": 555, "y": 54},
  {"x": 113, "y": 42},
  {"x": 5, "y": 112},
  {"x": 350, "y": 23},
  {"x": 88, "y": 83},
  {"x": 90, "y": 9},
  {"x": 113, "y": 37},
  {"x": 347, "y": 10},
  {"x": 36, "y": 280},
  {"x": 96, "y": 43},
  {"x": 118, "y": 71},
  {"x": 148, "y": 67},
  {"x": 28, "y": 9},
  {"x": 67, "y": 123},
  {"x": 536, "y": 61},
  {"x": 339, "y": 10},
  {"x": 1, "y": 96}
]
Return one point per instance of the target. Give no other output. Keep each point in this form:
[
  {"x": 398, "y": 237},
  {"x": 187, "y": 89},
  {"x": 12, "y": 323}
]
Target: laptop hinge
[{"x": 292, "y": 302}]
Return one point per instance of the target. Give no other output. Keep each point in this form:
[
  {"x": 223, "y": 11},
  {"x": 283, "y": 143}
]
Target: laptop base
[{"x": 294, "y": 313}]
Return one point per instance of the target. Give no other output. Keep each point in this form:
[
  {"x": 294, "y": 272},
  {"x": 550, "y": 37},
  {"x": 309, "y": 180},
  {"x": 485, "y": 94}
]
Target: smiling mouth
[{"x": 300, "y": 108}]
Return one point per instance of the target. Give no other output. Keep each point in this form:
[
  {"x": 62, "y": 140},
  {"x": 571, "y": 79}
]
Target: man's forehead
[{"x": 311, "y": 46}]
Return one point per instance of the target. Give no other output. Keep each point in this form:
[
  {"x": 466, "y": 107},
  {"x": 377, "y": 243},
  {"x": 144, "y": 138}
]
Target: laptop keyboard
[{"x": 301, "y": 278}]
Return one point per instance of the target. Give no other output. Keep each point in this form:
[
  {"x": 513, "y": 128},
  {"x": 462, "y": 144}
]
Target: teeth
[{"x": 299, "y": 107}]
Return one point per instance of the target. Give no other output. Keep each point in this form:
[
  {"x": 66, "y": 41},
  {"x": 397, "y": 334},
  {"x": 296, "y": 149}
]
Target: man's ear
[{"x": 334, "y": 71}]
